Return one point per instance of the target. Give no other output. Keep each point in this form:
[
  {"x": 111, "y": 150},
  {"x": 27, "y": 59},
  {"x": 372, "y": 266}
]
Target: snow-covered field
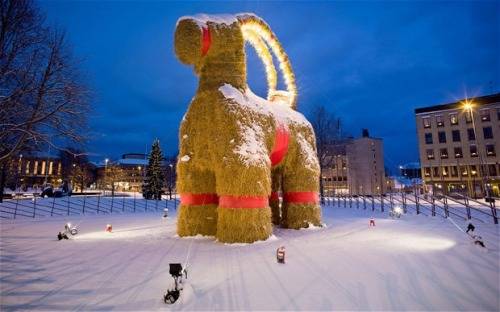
[{"x": 413, "y": 263}]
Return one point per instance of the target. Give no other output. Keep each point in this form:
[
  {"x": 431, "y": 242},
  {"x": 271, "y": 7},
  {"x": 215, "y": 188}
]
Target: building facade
[
  {"x": 33, "y": 171},
  {"x": 356, "y": 167},
  {"x": 459, "y": 144},
  {"x": 128, "y": 172}
]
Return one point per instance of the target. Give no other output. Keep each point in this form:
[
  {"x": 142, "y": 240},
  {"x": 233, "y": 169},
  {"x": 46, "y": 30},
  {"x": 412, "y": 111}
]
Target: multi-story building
[
  {"x": 335, "y": 173},
  {"x": 33, "y": 171},
  {"x": 128, "y": 172},
  {"x": 459, "y": 144},
  {"x": 411, "y": 171},
  {"x": 357, "y": 167},
  {"x": 365, "y": 163}
]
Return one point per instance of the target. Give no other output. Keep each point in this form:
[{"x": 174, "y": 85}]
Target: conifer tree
[{"x": 153, "y": 182}]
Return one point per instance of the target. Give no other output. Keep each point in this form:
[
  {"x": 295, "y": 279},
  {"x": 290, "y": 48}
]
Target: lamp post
[
  {"x": 105, "y": 174},
  {"x": 170, "y": 182},
  {"x": 468, "y": 107},
  {"x": 19, "y": 170},
  {"x": 139, "y": 169}
]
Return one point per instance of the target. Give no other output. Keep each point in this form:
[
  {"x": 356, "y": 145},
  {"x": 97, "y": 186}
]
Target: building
[
  {"x": 411, "y": 171},
  {"x": 459, "y": 144},
  {"x": 356, "y": 167},
  {"x": 128, "y": 172},
  {"x": 335, "y": 172},
  {"x": 33, "y": 171},
  {"x": 365, "y": 163}
]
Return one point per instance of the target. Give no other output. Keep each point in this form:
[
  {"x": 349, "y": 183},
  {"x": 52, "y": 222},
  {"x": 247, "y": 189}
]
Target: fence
[
  {"x": 81, "y": 205},
  {"x": 425, "y": 204}
]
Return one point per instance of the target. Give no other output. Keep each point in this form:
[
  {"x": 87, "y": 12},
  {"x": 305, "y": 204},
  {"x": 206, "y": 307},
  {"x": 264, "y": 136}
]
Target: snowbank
[{"x": 413, "y": 263}]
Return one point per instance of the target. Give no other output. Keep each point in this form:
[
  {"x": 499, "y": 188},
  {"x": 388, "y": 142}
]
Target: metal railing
[
  {"x": 425, "y": 204},
  {"x": 81, "y": 205}
]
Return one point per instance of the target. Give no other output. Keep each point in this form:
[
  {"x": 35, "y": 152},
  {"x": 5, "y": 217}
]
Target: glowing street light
[
  {"x": 468, "y": 105},
  {"x": 105, "y": 174}
]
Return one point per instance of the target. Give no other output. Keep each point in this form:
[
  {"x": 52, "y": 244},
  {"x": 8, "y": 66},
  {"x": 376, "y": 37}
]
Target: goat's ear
[{"x": 188, "y": 43}]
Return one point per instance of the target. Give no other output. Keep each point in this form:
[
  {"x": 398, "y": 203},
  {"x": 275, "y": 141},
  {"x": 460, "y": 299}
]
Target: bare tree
[
  {"x": 42, "y": 97},
  {"x": 75, "y": 166},
  {"x": 113, "y": 174},
  {"x": 327, "y": 128}
]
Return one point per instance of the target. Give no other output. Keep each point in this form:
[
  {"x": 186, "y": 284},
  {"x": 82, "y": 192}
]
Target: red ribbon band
[
  {"x": 227, "y": 201},
  {"x": 199, "y": 199},
  {"x": 301, "y": 197},
  {"x": 243, "y": 202}
]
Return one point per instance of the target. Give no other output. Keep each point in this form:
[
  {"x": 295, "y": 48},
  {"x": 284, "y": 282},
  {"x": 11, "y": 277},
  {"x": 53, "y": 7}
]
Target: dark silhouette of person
[{"x": 470, "y": 227}]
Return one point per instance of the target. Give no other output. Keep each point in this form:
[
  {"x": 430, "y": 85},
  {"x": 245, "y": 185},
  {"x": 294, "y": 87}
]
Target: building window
[
  {"x": 43, "y": 167},
  {"x": 487, "y": 133},
  {"x": 485, "y": 114},
  {"x": 428, "y": 138},
  {"x": 473, "y": 171},
  {"x": 490, "y": 150},
  {"x": 439, "y": 121},
  {"x": 435, "y": 171},
  {"x": 427, "y": 122},
  {"x": 444, "y": 153},
  {"x": 473, "y": 151},
  {"x": 492, "y": 170},
  {"x": 51, "y": 164},
  {"x": 454, "y": 171},
  {"x": 468, "y": 117},
  {"x": 455, "y": 134},
  {"x": 458, "y": 152},
  {"x": 445, "y": 171},
  {"x": 442, "y": 137},
  {"x": 471, "y": 134},
  {"x": 430, "y": 154},
  {"x": 35, "y": 168},
  {"x": 427, "y": 171},
  {"x": 27, "y": 167},
  {"x": 463, "y": 169},
  {"x": 453, "y": 119}
]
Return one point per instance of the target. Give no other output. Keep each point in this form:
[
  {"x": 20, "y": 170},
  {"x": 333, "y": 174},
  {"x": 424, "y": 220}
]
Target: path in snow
[{"x": 414, "y": 263}]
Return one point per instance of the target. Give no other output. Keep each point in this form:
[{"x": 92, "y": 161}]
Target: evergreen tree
[{"x": 153, "y": 182}]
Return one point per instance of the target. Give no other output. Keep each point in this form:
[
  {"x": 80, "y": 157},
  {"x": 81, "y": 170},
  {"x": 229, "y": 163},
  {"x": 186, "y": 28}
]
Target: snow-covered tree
[{"x": 153, "y": 182}]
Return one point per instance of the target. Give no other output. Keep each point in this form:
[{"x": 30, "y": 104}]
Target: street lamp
[
  {"x": 468, "y": 107},
  {"x": 105, "y": 174},
  {"x": 19, "y": 170},
  {"x": 170, "y": 181}
]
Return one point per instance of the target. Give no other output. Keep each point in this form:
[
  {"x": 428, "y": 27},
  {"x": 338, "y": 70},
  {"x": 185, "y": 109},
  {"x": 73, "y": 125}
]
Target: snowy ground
[{"x": 413, "y": 263}]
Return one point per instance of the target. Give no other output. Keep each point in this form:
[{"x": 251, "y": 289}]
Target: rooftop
[{"x": 481, "y": 100}]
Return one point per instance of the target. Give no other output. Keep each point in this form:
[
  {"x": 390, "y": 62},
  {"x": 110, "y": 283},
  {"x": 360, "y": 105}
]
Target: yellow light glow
[
  {"x": 468, "y": 105},
  {"x": 260, "y": 36}
]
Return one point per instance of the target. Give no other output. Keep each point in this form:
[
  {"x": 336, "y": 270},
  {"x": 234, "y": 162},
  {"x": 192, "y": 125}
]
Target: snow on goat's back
[{"x": 278, "y": 109}]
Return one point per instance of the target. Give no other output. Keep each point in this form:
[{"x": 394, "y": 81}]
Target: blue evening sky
[{"x": 369, "y": 62}]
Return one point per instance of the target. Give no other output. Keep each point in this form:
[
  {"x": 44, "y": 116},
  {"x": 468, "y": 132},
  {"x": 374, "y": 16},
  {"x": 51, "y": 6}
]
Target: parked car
[{"x": 47, "y": 191}]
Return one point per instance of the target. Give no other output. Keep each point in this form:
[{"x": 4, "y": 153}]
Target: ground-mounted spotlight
[
  {"x": 68, "y": 229},
  {"x": 396, "y": 212}
]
